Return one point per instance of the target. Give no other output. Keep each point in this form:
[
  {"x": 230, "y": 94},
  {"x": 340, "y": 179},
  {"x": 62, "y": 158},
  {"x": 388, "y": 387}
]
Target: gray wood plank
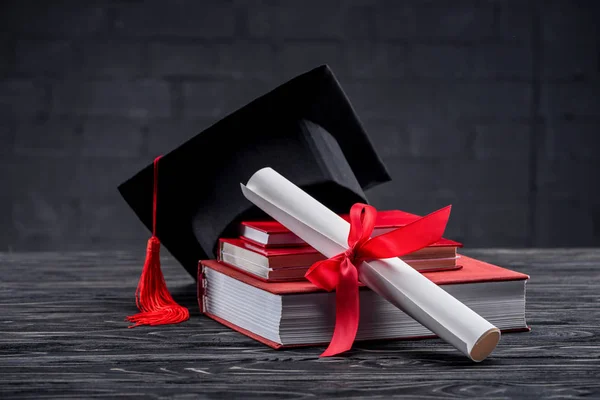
[{"x": 62, "y": 335}]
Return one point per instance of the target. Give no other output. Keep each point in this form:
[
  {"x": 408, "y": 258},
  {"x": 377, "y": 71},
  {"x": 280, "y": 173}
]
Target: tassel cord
[{"x": 152, "y": 298}]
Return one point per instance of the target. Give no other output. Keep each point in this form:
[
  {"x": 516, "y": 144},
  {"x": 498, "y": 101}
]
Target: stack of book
[
  {"x": 269, "y": 251},
  {"x": 257, "y": 287}
]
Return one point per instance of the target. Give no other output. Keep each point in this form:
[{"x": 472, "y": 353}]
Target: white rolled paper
[{"x": 391, "y": 278}]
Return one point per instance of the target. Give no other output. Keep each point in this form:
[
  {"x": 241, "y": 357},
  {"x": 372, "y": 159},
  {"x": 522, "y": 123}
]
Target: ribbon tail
[
  {"x": 409, "y": 238},
  {"x": 346, "y": 310}
]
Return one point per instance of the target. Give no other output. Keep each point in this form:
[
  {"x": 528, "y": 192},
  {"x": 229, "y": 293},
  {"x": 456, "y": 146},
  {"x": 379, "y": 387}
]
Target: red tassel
[{"x": 152, "y": 297}]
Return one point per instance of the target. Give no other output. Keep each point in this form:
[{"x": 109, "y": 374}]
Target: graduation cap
[{"x": 306, "y": 129}]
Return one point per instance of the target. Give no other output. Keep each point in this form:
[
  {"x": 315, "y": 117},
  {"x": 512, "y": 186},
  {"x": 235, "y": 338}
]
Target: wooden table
[{"x": 62, "y": 335}]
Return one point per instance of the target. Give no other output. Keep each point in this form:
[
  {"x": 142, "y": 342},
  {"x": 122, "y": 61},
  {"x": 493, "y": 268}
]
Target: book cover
[
  {"x": 386, "y": 220},
  {"x": 473, "y": 271},
  {"x": 282, "y": 258}
]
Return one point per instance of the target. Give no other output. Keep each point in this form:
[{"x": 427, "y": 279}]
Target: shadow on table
[{"x": 186, "y": 296}]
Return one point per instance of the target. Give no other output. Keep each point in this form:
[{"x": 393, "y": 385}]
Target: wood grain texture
[{"x": 62, "y": 335}]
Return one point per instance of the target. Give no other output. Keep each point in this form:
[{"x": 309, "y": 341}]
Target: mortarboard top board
[{"x": 306, "y": 129}]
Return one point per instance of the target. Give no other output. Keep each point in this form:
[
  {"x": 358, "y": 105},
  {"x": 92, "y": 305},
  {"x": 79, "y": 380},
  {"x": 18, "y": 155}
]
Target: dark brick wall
[{"x": 489, "y": 105}]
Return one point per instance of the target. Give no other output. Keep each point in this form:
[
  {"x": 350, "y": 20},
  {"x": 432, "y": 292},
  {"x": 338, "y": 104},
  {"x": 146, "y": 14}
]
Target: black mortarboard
[{"x": 306, "y": 129}]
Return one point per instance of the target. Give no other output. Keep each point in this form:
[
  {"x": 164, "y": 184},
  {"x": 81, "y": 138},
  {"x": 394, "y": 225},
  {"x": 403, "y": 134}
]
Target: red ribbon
[{"x": 340, "y": 272}]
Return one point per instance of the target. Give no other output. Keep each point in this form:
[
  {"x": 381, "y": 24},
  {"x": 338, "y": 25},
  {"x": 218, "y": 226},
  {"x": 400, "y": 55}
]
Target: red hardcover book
[
  {"x": 291, "y": 263},
  {"x": 289, "y": 314},
  {"x": 272, "y": 234}
]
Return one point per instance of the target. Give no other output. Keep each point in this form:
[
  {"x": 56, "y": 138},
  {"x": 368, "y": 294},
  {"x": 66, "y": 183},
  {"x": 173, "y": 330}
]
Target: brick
[
  {"x": 420, "y": 188},
  {"x": 259, "y": 18},
  {"x": 70, "y": 177},
  {"x": 497, "y": 225},
  {"x": 442, "y": 100},
  {"x": 498, "y": 141},
  {"x": 54, "y": 137},
  {"x": 219, "y": 98},
  {"x": 205, "y": 19},
  {"x": 109, "y": 221},
  {"x": 374, "y": 99},
  {"x": 8, "y": 234},
  {"x": 45, "y": 220},
  {"x": 42, "y": 209},
  {"x": 238, "y": 60},
  {"x": 113, "y": 137},
  {"x": 6, "y": 55},
  {"x": 392, "y": 196},
  {"x": 46, "y": 57},
  {"x": 243, "y": 60},
  {"x": 395, "y": 20},
  {"x": 164, "y": 136},
  {"x": 7, "y": 136},
  {"x": 572, "y": 140},
  {"x": 314, "y": 20},
  {"x": 390, "y": 138},
  {"x": 378, "y": 60},
  {"x": 463, "y": 20},
  {"x": 570, "y": 100},
  {"x": 513, "y": 21},
  {"x": 425, "y": 203},
  {"x": 297, "y": 58},
  {"x": 136, "y": 99},
  {"x": 113, "y": 58},
  {"x": 506, "y": 62},
  {"x": 37, "y": 218},
  {"x": 438, "y": 137},
  {"x": 417, "y": 176},
  {"x": 470, "y": 21},
  {"x": 183, "y": 59},
  {"x": 456, "y": 227},
  {"x": 485, "y": 182},
  {"x": 563, "y": 178},
  {"x": 569, "y": 21},
  {"x": 567, "y": 222},
  {"x": 485, "y": 99},
  {"x": 566, "y": 61},
  {"x": 56, "y": 19},
  {"x": 359, "y": 20},
  {"x": 97, "y": 177},
  {"x": 22, "y": 98},
  {"x": 24, "y": 174}
]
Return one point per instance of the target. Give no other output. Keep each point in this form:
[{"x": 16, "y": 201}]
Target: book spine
[{"x": 202, "y": 284}]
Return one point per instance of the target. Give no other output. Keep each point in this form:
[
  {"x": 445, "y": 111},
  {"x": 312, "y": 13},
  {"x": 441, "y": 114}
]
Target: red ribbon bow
[{"x": 340, "y": 272}]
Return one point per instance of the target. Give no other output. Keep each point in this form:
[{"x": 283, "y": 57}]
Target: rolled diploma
[{"x": 391, "y": 278}]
